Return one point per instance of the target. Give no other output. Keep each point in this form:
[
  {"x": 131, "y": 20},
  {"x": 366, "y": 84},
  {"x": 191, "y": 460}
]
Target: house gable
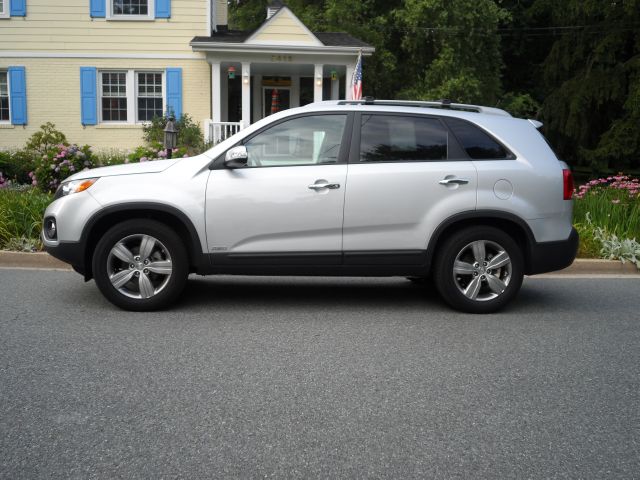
[{"x": 283, "y": 28}]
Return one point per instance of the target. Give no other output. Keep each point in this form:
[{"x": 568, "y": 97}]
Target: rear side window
[
  {"x": 391, "y": 138},
  {"x": 478, "y": 144}
]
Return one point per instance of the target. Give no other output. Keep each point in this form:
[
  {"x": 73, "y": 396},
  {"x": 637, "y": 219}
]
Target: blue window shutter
[
  {"x": 98, "y": 8},
  {"x": 174, "y": 91},
  {"x": 163, "y": 8},
  {"x": 18, "y": 95},
  {"x": 88, "y": 95},
  {"x": 18, "y": 8}
]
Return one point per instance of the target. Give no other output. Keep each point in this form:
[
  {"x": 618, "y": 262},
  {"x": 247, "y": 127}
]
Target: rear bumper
[{"x": 551, "y": 256}]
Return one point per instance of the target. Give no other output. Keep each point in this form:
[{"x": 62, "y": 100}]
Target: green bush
[
  {"x": 45, "y": 139},
  {"x": 21, "y": 212},
  {"x": 16, "y": 165},
  {"x": 106, "y": 158}
]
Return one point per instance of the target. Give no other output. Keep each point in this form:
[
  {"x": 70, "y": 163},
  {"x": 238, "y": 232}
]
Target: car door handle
[
  {"x": 318, "y": 186},
  {"x": 450, "y": 181}
]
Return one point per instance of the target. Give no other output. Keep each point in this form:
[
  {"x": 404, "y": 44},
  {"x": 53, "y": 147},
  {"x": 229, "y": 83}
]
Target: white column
[
  {"x": 246, "y": 94},
  {"x": 257, "y": 97},
  {"x": 335, "y": 89},
  {"x": 317, "y": 78},
  {"x": 347, "y": 91},
  {"x": 216, "y": 93},
  {"x": 295, "y": 91},
  {"x": 224, "y": 96}
]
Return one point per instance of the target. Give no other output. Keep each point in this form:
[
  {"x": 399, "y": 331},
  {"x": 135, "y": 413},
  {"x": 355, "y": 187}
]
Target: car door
[
  {"x": 406, "y": 175},
  {"x": 286, "y": 206}
]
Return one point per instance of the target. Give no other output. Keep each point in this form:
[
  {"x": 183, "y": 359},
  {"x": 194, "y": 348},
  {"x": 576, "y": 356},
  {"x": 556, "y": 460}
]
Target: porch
[{"x": 245, "y": 92}]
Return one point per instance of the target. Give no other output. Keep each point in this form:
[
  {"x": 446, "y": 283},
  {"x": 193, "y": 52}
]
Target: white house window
[
  {"x": 130, "y": 9},
  {"x": 4, "y": 8},
  {"x": 150, "y": 102},
  {"x": 130, "y": 96},
  {"x": 114, "y": 96},
  {"x": 4, "y": 97}
]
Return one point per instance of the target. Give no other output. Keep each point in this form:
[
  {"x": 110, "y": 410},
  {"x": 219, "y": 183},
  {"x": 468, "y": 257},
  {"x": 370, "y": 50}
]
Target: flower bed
[{"x": 607, "y": 216}]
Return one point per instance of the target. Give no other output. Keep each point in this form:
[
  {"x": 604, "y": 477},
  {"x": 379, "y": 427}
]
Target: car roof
[{"x": 412, "y": 105}]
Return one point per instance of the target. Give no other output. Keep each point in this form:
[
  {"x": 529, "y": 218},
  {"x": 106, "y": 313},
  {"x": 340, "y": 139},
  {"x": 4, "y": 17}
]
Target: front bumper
[
  {"x": 72, "y": 253},
  {"x": 551, "y": 256}
]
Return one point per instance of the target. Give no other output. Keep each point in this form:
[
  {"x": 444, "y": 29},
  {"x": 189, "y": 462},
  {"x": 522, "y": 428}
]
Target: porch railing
[{"x": 216, "y": 132}]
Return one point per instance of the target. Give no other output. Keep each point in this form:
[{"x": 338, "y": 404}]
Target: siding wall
[
  {"x": 53, "y": 94},
  {"x": 284, "y": 28},
  {"x": 66, "y": 26}
]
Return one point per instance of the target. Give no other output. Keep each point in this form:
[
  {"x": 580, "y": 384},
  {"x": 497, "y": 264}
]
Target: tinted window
[
  {"x": 390, "y": 138},
  {"x": 300, "y": 141},
  {"x": 477, "y": 143}
]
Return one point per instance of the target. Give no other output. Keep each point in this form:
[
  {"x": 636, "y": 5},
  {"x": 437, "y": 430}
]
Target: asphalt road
[{"x": 318, "y": 378}]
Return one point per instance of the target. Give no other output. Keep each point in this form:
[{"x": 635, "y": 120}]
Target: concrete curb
[
  {"x": 30, "y": 260},
  {"x": 581, "y": 266}
]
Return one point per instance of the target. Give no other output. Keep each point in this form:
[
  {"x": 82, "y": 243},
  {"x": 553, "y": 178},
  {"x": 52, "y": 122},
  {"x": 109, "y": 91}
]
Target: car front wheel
[
  {"x": 479, "y": 270},
  {"x": 140, "y": 265}
]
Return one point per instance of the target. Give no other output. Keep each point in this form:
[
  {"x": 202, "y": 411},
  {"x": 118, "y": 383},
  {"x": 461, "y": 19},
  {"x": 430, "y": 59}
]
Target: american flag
[{"x": 356, "y": 80}]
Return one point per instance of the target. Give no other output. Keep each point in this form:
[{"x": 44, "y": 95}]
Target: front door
[
  {"x": 275, "y": 99},
  {"x": 287, "y": 204}
]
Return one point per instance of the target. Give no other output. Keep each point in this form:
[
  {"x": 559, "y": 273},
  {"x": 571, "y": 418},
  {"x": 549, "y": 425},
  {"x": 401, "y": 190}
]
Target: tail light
[{"x": 567, "y": 182}]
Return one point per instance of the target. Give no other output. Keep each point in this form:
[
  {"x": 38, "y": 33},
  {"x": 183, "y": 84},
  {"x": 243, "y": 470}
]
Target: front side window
[
  {"x": 3, "y": 7},
  {"x": 149, "y": 96},
  {"x": 478, "y": 144},
  {"x": 4, "y": 97},
  {"x": 131, "y": 7},
  {"x": 309, "y": 140},
  {"x": 114, "y": 96},
  {"x": 391, "y": 138}
]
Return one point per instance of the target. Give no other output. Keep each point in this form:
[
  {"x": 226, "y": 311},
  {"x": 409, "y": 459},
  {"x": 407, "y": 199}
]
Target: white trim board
[{"x": 159, "y": 56}]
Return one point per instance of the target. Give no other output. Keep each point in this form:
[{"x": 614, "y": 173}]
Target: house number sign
[{"x": 282, "y": 58}]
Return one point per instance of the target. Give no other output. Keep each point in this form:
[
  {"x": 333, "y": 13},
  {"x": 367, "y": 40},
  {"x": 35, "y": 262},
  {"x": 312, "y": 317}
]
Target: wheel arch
[
  {"x": 104, "y": 219},
  {"x": 508, "y": 222}
]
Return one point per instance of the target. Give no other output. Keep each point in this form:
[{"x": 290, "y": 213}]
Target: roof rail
[{"x": 442, "y": 104}]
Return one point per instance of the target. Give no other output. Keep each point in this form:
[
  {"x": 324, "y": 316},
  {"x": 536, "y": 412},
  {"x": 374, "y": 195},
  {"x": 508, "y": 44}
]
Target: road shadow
[{"x": 309, "y": 292}]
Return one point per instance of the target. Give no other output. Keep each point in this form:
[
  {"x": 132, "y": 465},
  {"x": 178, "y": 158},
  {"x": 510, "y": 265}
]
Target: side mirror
[{"x": 236, "y": 157}]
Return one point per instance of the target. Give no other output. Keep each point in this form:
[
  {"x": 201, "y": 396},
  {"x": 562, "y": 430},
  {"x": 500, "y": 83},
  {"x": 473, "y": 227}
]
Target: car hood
[{"x": 126, "y": 169}]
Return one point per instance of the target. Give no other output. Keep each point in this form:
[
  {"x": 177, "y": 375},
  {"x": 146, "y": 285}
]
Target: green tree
[
  {"x": 592, "y": 81},
  {"x": 454, "y": 49}
]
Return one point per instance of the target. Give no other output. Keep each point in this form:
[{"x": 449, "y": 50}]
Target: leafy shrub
[
  {"x": 16, "y": 165},
  {"x": 110, "y": 157},
  {"x": 21, "y": 212},
  {"x": 189, "y": 134},
  {"x": 45, "y": 139},
  {"x": 59, "y": 163}
]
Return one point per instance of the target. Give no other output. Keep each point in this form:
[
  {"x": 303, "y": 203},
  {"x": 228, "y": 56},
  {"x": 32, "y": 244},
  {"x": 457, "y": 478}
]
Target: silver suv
[{"x": 465, "y": 197}]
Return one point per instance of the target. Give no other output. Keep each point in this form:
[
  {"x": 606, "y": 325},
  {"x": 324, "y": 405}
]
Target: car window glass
[
  {"x": 308, "y": 140},
  {"x": 477, "y": 143},
  {"x": 391, "y": 138}
]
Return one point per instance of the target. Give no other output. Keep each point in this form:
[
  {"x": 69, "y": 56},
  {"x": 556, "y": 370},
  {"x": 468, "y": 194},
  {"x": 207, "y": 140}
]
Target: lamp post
[{"x": 170, "y": 135}]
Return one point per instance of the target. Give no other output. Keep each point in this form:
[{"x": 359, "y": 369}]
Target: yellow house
[{"x": 100, "y": 69}]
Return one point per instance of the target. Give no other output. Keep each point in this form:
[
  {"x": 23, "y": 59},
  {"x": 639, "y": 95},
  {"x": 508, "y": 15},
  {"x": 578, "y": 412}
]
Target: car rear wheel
[
  {"x": 479, "y": 270},
  {"x": 140, "y": 265}
]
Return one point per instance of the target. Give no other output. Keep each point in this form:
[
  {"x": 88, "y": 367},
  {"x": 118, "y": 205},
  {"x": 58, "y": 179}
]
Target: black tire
[
  {"x": 461, "y": 245},
  {"x": 167, "y": 254}
]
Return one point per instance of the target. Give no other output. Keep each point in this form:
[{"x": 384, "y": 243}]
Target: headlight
[{"x": 74, "y": 186}]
